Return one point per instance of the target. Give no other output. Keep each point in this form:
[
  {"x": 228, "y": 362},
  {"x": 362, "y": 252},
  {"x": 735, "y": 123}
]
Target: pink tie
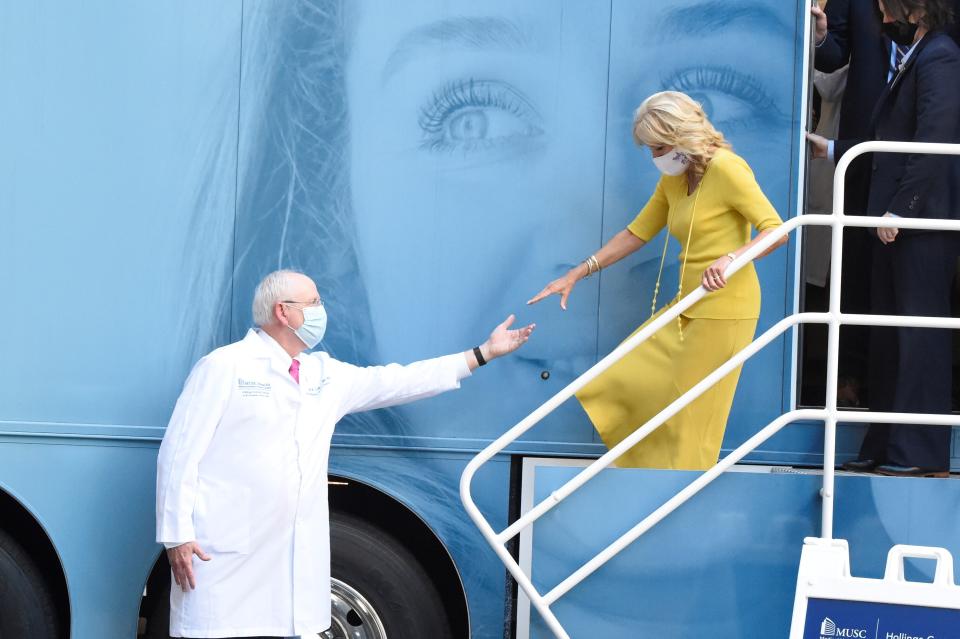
[{"x": 295, "y": 370}]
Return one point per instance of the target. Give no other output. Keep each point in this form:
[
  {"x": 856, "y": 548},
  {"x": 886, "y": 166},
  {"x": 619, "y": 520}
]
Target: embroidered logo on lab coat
[
  {"x": 316, "y": 389},
  {"x": 253, "y": 388}
]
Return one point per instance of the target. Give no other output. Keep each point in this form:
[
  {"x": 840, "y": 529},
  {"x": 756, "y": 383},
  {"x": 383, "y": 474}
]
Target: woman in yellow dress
[{"x": 708, "y": 199}]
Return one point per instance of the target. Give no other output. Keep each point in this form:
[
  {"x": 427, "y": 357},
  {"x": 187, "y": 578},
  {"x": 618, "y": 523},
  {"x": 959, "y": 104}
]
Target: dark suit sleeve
[
  {"x": 938, "y": 103},
  {"x": 842, "y": 146},
  {"x": 954, "y": 29},
  {"x": 835, "y": 50}
]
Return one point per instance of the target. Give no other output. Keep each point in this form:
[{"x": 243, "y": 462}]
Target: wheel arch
[
  {"x": 25, "y": 526},
  {"x": 390, "y": 513},
  {"x": 387, "y": 512}
]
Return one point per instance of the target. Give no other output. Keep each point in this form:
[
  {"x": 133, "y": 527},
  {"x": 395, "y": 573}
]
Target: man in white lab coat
[{"x": 242, "y": 472}]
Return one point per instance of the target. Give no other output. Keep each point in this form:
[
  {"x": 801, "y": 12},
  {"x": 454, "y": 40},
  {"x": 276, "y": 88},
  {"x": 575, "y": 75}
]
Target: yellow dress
[{"x": 726, "y": 203}]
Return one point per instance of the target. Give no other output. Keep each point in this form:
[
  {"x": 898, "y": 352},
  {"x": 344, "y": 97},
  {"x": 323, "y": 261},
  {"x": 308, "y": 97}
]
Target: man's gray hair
[{"x": 273, "y": 288}]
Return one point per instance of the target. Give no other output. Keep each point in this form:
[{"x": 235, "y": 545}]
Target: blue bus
[{"x": 430, "y": 163}]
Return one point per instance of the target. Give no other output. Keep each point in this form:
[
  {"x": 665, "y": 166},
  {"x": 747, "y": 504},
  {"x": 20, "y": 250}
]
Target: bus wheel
[
  {"x": 379, "y": 588},
  {"x": 26, "y": 607}
]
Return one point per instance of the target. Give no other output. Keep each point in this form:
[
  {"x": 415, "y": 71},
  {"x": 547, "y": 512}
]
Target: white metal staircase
[{"x": 830, "y": 415}]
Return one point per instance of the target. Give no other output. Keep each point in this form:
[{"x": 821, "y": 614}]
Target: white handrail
[
  {"x": 829, "y": 414},
  {"x": 841, "y": 220}
]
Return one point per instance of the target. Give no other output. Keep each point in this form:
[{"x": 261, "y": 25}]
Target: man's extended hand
[
  {"x": 503, "y": 341},
  {"x": 181, "y": 562}
]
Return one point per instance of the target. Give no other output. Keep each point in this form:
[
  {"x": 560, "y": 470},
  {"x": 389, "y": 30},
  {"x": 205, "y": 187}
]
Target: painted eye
[
  {"x": 722, "y": 107},
  {"x": 477, "y": 115},
  {"x": 468, "y": 124},
  {"x": 729, "y": 97}
]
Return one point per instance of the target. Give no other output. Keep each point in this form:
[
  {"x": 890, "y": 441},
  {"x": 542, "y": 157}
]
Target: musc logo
[{"x": 828, "y": 629}]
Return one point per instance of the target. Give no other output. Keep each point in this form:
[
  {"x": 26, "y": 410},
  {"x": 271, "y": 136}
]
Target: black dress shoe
[
  {"x": 860, "y": 465},
  {"x": 893, "y": 470}
]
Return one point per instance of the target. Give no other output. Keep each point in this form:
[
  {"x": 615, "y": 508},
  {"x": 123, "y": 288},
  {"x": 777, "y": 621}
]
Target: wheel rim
[{"x": 352, "y": 616}]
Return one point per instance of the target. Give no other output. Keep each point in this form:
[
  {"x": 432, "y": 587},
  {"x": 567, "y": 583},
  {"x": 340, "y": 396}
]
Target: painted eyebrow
[
  {"x": 466, "y": 32},
  {"x": 715, "y": 15}
]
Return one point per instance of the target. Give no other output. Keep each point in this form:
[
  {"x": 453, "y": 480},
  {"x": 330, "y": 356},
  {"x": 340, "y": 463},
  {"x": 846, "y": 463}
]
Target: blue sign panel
[
  {"x": 740, "y": 576},
  {"x": 834, "y": 619}
]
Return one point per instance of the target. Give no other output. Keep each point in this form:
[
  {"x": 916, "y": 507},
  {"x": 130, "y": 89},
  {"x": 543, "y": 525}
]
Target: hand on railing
[{"x": 713, "y": 279}]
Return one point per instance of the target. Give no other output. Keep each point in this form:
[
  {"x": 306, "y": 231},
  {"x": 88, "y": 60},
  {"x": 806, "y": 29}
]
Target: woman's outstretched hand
[
  {"x": 562, "y": 287},
  {"x": 503, "y": 340}
]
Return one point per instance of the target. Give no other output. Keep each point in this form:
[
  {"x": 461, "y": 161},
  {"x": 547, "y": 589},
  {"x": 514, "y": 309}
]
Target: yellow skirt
[{"x": 649, "y": 378}]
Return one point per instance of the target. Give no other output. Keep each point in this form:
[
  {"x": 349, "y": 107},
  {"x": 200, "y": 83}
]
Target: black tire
[
  {"x": 389, "y": 577},
  {"x": 26, "y": 604},
  {"x": 155, "y": 607},
  {"x": 368, "y": 560}
]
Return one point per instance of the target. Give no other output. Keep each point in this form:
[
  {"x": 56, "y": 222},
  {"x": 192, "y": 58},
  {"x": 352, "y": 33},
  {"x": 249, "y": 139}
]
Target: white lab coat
[{"x": 243, "y": 471}]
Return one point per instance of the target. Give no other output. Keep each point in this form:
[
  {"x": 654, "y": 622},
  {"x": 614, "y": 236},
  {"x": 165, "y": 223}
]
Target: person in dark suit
[
  {"x": 848, "y": 32},
  {"x": 912, "y": 271}
]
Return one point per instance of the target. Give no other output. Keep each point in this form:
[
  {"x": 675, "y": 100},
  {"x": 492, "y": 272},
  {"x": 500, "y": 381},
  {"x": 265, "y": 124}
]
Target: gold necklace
[{"x": 683, "y": 267}]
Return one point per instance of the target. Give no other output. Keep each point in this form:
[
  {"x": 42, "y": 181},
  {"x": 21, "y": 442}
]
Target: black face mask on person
[{"x": 900, "y": 31}]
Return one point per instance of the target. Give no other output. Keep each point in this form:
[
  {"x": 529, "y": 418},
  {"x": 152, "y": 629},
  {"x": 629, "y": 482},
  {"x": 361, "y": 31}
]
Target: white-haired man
[{"x": 242, "y": 472}]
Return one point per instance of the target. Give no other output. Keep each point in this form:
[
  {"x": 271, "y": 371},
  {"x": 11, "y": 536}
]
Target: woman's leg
[
  {"x": 655, "y": 374},
  {"x": 629, "y": 393},
  {"x": 699, "y": 428}
]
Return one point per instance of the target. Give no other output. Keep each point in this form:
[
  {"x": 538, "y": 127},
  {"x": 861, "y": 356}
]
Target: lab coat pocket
[{"x": 223, "y": 516}]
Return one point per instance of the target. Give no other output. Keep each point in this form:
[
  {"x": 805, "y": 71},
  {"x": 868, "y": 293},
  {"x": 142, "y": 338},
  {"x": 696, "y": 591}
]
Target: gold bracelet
[{"x": 593, "y": 265}]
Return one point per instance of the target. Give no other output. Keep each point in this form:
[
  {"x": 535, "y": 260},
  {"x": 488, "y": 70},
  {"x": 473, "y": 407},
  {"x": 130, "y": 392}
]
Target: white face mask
[
  {"x": 672, "y": 163},
  {"x": 313, "y": 327}
]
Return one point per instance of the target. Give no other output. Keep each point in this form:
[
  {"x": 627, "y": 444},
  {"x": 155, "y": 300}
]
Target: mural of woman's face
[
  {"x": 477, "y": 165},
  {"x": 491, "y": 150},
  {"x": 469, "y": 122}
]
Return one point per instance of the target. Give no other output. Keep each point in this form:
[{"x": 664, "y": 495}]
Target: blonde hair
[{"x": 674, "y": 119}]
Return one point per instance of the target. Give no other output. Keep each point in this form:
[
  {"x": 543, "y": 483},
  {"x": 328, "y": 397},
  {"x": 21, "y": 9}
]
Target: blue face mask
[{"x": 314, "y": 326}]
